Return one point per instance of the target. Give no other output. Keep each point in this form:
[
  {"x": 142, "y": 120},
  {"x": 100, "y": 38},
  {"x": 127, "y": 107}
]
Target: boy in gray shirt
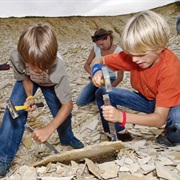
[{"x": 37, "y": 64}]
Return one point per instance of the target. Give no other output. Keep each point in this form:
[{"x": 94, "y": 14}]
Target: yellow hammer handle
[
  {"x": 102, "y": 81},
  {"x": 18, "y": 108}
]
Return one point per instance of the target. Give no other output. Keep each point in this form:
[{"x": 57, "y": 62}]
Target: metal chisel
[
  {"x": 112, "y": 127},
  {"x": 51, "y": 147}
]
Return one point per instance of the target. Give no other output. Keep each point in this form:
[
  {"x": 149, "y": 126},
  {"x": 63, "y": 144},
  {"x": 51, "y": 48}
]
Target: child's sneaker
[
  {"x": 76, "y": 144},
  {"x": 164, "y": 141}
]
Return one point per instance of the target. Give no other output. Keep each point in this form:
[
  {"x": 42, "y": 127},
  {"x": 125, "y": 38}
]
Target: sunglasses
[{"x": 99, "y": 37}]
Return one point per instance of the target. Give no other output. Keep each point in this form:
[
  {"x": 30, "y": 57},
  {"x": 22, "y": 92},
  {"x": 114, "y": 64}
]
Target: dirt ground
[{"x": 73, "y": 35}]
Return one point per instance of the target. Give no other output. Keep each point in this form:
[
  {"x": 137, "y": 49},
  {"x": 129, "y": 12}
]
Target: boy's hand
[
  {"x": 96, "y": 79},
  {"x": 41, "y": 135},
  {"x": 30, "y": 102},
  {"x": 111, "y": 114}
]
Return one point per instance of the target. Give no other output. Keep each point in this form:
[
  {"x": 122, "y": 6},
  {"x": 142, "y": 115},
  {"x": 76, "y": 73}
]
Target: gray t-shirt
[{"x": 56, "y": 76}]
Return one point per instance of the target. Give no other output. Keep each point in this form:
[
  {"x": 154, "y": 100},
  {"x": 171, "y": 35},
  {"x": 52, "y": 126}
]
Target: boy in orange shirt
[{"x": 155, "y": 77}]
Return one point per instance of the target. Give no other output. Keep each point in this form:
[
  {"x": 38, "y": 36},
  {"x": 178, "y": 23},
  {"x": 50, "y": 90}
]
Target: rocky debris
[{"x": 140, "y": 159}]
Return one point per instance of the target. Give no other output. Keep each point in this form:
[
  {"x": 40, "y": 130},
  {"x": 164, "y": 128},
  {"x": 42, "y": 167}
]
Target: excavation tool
[
  {"x": 106, "y": 79},
  {"x": 106, "y": 99},
  {"x": 14, "y": 113},
  {"x": 30, "y": 129},
  {"x": 14, "y": 109},
  {"x": 111, "y": 125}
]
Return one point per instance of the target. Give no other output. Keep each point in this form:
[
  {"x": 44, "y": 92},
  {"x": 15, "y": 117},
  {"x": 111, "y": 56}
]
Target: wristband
[
  {"x": 123, "y": 119},
  {"x": 29, "y": 97},
  {"x": 95, "y": 68}
]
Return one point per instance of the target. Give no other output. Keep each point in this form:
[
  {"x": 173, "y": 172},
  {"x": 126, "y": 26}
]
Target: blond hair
[
  {"x": 38, "y": 46},
  {"x": 145, "y": 31}
]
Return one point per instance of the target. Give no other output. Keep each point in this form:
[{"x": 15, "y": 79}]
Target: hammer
[
  {"x": 14, "y": 109},
  {"x": 106, "y": 99},
  {"x": 14, "y": 113}
]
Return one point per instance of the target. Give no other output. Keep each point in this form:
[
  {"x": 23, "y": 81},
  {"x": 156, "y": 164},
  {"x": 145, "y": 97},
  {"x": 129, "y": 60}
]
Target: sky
[{"x": 60, "y": 8}]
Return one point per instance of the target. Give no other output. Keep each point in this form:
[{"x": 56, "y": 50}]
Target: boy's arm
[
  {"x": 157, "y": 118},
  {"x": 43, "y": 134},
  {"x": 28, "y": 87},
  {"x": 62, "y": 114}
]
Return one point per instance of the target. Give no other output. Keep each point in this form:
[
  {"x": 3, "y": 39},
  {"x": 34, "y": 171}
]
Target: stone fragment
[
  {"x": 92, "y": 126},
  {"x": 164, "y": 172},
  {"x": 110, "y": 170},
  {"x": 27, "y": 142},
  {"x": 27, "y": 172},
  {"x": 144, "y": 160},
  {"x": 94, "y": 169}
]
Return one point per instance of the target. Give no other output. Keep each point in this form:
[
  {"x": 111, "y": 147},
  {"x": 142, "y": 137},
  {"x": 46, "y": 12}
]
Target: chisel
[{"x": 52, "y": 148}]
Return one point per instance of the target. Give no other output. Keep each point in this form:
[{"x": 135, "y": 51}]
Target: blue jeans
[
  {"x": 87, "y": 94},
  {"x": 137, "y": 102},
  {"x": 12, "y": 130}
]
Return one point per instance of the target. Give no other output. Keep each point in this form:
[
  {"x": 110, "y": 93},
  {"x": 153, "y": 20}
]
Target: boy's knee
[
  {"x": 175, "y": 114},
  {"x": 79, "y": 102},
  {"x": 100, "y": 91},
  {"x": 173, "y": 127}
]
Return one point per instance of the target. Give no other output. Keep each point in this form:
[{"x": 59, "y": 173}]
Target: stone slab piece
[{"x": 101, "y": 152}]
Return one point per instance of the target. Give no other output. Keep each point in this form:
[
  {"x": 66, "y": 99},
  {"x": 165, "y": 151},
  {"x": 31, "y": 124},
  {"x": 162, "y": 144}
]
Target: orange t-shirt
[{"x": 160, "y": 82}]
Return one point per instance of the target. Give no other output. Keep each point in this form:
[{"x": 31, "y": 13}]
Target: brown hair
[
  {"x": 38, "y": 46},
  {"x": 102, "y": 34}
]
